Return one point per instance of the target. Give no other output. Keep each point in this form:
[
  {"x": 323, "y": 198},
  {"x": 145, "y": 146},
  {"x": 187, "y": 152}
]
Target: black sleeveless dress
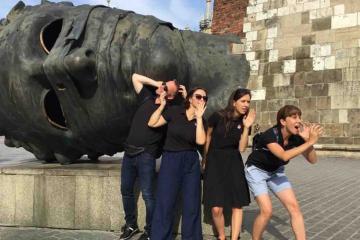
[{"x": 224, "y": 178}]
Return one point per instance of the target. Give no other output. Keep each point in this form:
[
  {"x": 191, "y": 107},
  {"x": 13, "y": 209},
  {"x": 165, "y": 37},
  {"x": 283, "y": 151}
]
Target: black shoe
[
  {"x": 128, "y": 232},
  {"x": 144, "y": 236}
]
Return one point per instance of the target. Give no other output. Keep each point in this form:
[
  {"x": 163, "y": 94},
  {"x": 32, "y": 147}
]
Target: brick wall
[
  {"x": 306, "y": 53},
  {"x": 228, "y": 16}
]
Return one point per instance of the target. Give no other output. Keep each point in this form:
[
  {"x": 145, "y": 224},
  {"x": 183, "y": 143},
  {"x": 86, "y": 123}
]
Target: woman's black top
[
  {"x": 220, "y": 138},
  {"x": 263, "y": 158},
  {"x": 181, "y": 133}
]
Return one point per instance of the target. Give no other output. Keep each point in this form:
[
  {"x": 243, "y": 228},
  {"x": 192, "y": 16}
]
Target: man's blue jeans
[{"x": 142, "y": 167}]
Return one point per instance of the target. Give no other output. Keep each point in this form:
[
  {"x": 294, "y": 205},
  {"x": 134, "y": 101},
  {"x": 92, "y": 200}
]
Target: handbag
[{"x": 132, "y": 150}]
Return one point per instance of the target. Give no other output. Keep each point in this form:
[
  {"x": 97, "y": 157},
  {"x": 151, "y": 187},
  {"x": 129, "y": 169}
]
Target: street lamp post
[{"x": 108, "y": 1}]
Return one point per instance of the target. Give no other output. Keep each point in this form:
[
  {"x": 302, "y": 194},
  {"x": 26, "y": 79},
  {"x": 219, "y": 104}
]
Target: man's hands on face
[
  {"x": 162, "y": 98},
  {"x": 182, "y": 91}
]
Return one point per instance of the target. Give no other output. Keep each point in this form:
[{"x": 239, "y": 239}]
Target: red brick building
[{"x": 228, "y": 16}]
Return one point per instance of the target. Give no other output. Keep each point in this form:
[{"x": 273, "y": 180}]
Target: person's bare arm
[
  {"x": 182, "y": 91},
  {"x": 139, "y": 81},
  {"x": 277, "y": 150},
  {"x": 243, "y": 143},
  {"x": 286, "y": 155},
  {"x": 247, "y": 122},
  {"x": 156, "y": 119},
  {"x": 200, "y": 130},
  {"x": 310, "y": 155},
  {"x": 206, "y": 146}
]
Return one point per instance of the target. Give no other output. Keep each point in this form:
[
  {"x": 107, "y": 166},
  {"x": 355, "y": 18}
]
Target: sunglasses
[{"x": 199, "y": 97}]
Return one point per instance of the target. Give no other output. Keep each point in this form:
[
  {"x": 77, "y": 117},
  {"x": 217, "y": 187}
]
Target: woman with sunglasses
[
  {"x": 225, "y": 186},
  {"x": 180, "y": 167}
]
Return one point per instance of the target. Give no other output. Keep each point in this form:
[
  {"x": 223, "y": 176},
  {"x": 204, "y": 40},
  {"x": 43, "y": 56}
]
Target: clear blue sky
[{"x": 182, "y": 13}]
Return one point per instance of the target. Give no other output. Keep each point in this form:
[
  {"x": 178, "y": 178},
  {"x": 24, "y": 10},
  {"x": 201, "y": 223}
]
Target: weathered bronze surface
[{"x": 65, "y": 74}]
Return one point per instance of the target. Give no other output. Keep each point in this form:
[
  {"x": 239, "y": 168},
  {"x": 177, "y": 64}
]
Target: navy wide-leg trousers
[{"x": 179, "y": 171}]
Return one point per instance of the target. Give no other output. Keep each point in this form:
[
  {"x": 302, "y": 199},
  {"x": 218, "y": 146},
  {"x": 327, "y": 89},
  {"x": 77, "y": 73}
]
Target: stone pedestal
[{"x": 77, "y": 196}]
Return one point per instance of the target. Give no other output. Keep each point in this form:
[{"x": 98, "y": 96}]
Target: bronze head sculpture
[{"x": 65, "y": 74}]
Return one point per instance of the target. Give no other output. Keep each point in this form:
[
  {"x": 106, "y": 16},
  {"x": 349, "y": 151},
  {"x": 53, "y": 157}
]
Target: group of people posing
[{"x": 177, "y": 132}]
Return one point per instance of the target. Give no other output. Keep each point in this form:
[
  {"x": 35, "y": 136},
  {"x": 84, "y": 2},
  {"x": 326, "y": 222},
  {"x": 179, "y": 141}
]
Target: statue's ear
[
  {"x": 15, "y": 11},
  {"x": 3, "y": 23},
  {"x": 12, "y": 15}
]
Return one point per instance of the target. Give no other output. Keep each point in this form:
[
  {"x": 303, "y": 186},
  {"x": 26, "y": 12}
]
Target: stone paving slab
[
  {"x": 21, "y": 233},
  {"x": 328, "y": 193},
  {"x": 30, "y": 233}
]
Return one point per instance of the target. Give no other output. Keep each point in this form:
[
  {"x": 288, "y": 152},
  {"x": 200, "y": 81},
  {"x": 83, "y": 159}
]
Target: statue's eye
[{"x": 49, "y": 34}]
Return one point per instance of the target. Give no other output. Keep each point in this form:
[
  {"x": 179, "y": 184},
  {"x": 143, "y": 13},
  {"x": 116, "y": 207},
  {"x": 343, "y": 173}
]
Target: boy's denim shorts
[{"x": 260, "y": 180}]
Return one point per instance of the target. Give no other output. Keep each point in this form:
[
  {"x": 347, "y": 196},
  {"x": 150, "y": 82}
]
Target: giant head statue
[{"x": 65, "y": 74}]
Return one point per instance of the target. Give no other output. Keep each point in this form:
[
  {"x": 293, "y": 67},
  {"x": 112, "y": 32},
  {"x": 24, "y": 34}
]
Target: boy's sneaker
[
  {"x": 144, "y": 236},
  {"x": 128, "y": 232}
]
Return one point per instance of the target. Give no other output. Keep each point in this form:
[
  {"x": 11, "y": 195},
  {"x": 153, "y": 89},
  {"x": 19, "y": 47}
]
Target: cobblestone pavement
[{"x": 328, "y": 193}]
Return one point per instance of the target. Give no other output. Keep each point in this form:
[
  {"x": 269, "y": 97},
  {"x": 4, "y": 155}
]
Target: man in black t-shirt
[
  {"x": 265, "y": 166},
  {"x": 142, "y": 147}
]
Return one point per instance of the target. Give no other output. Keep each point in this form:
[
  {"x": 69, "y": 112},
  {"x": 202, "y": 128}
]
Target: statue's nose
[{"x": 81, "y": 65}]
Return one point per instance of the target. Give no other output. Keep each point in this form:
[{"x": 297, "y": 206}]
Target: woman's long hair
[
  {"x": 228, "y": 112},
  {"x": 191, "y": 93}
]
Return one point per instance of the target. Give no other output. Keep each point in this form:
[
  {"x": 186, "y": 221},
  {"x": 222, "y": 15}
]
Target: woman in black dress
[{"x": 225, "y": 185}]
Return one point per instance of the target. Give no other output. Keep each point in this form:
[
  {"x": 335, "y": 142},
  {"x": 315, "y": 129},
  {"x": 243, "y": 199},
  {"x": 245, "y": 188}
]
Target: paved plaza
[{"x": 328, "y": 192}]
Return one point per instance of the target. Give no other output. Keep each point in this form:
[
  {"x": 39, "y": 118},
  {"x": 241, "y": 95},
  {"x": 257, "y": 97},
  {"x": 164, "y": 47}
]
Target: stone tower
[
  {"x": 205, "y": 23},
  {"x": 301, "y": 52}
]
